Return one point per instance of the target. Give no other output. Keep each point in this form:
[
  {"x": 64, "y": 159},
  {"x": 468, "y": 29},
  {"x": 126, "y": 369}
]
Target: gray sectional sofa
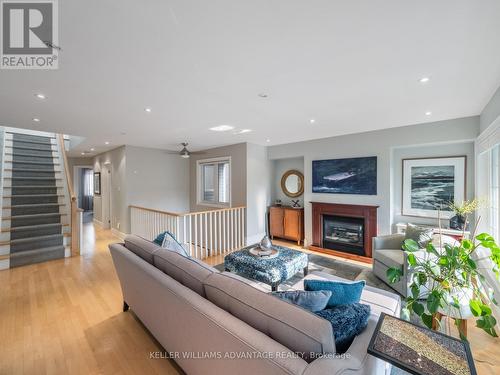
[{"x": 218, "y": 323}]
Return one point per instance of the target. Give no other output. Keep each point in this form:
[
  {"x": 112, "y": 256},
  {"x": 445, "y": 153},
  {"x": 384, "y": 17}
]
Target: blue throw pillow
[
  {"x": 170, "y": 243},
  {"x": 347, "y": 322},
  {"x": 312, "y": 301},
  {"x": 343, "y": 293},
  {"x": 159, "y": 238}
]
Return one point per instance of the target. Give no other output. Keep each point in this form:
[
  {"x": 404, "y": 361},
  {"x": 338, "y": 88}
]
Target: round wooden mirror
[{"x": 292, "y": 183}]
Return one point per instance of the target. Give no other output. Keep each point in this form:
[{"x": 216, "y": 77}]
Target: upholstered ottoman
[{"x": 271, "y": 271}]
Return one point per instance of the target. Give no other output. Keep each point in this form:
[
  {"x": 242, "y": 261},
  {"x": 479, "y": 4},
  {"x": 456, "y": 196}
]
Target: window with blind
[{"x": 214, "y": 182}]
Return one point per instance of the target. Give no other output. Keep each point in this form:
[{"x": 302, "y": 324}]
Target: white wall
[
  {"x": 377, "y": 143},
  {"x": 279, "y": 167},
  {"x": 259, "y": 185},
  {"x": 157, "y": 180},
  {"x": 144, "y": 177},
  {"x": 116, "y": 161}
]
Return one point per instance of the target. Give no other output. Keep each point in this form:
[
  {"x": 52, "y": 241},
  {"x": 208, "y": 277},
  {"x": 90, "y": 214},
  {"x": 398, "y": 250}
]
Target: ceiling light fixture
[
  {"x": 268, "y": 140},
  {"x": 243, "y": 131},
  {"x": 36, "y": 120},
  {"x": 222, "y": 128},
  {"x": 83, "y": 153},
  {"x": 312, "y": 121},
  {"x": 148, "y": 109},
  {"x": 428, "y": 113},
  {"x": 106, "y": 143},
  {"x": 263, "y": 95},
  {"x": 424, "y": 80},
  {"x": 92, "y": 149},
  {"x": 40, "y": 96}
]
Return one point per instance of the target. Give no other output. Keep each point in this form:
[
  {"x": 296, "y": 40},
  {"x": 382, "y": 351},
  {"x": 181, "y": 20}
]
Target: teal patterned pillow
[{"x": 170, "y": 243}]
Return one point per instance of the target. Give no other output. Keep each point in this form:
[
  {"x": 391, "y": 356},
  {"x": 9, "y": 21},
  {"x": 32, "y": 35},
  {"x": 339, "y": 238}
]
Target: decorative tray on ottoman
[{"x": 258, "y": 252}]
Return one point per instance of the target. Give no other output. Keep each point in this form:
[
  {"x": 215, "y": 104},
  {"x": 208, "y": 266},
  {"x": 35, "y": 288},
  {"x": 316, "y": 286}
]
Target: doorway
[{"x": 84, "y": 190}]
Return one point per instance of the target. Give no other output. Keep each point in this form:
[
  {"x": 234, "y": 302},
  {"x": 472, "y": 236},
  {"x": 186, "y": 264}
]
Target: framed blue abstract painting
[{"x": 345, "y": 176}]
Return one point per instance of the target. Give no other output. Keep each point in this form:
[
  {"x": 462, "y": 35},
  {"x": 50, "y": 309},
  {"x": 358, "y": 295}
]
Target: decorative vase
[
  {"x": 265, "y": 243},
  {"x": 457, "y": 222}
]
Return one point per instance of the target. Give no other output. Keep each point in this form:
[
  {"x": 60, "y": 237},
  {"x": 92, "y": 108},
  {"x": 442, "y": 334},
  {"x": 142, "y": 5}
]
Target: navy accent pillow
[
  {"x": 343, "y": 293},
  {"x": 347, "y": 322},
  {"x": 312, "y": 301},
  {"x": 159, "y": 238}
]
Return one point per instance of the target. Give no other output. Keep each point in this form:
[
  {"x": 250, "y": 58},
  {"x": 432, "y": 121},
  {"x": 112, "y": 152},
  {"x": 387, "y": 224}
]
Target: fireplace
[
  {"x": 344, "y": 230},
  {"x": 344, "y": 234}
]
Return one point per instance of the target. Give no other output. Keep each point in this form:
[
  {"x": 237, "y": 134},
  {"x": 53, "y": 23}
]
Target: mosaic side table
[
  {"x": 419, "y": 350},
  {"x": 272, "y": 271}
]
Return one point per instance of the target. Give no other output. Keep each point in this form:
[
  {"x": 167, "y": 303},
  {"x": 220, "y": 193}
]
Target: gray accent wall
[
  {"x": 280, "y": 166},
  {"x": 156, "y": 179},
  {"x": 491, "y": 112},
  {"x": 434, "y": 151},
  {"x": 381, "y": 144}
]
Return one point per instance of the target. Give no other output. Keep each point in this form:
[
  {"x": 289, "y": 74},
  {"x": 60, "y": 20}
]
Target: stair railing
[
  {"x": 75, "y": 212},
  {"x": 203, "y": 234}
]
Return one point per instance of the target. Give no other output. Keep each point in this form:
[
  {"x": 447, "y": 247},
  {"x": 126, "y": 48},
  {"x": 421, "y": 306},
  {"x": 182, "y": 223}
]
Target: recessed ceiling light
[
  {"x": 424, "y": 80},
  {"x": 148, "y": 109},
  {"x": 41, "y": 96},
  {"x": 106, "y": 143},
  {"x": 92, "y": 149},
  {"x": 36, "y": 120},
  {"x": 268, "y": 140},
  {"x": 222, "y": 128},
  {"x": 83, "y": 153},
  {"x": 243, "y": 131},
  {"x": 263, "y": 95},
  {"x": 312, "y": 121},
  {"x": 428, "y": 113}
]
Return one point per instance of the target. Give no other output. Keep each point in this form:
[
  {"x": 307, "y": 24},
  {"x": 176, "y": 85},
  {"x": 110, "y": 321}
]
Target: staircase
[{"x": 35, "y": 205}]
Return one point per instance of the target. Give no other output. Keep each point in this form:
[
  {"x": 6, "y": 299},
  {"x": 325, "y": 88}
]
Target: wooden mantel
[{"x": 367, "y": 212}]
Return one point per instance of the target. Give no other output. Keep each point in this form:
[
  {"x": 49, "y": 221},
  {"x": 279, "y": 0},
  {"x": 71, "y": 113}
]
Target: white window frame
[{"x": 199, "y": 183}]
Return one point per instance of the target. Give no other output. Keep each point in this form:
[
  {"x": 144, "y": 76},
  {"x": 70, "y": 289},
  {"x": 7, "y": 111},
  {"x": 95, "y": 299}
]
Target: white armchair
[{"x": 388, "y": 253}]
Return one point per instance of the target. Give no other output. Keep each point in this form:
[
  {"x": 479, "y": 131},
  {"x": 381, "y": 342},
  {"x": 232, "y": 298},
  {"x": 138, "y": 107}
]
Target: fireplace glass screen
[{"x": 343, "y": 234}]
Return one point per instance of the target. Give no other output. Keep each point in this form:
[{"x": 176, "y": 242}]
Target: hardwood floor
[{"x": 65, "y": 317}]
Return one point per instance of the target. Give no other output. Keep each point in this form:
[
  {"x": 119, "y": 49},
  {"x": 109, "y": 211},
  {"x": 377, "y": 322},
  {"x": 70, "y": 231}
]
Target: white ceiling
[{"x": 351, "y": 65}]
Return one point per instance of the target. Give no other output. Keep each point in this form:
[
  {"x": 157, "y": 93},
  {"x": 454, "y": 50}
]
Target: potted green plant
[{"x": 444, "y": 278}]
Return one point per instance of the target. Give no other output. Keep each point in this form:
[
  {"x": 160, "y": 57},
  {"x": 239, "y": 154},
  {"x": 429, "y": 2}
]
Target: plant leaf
[
  {"x": 410, "y": 246},
  {"x": 394, "y": 275},
  {"x": 415, "y": 290},
  {"x": 427, "y": 320},
  {"x": 475, "y": 307},
  {"x": 431, "y": 249},
  {"x": 412, "y": 261},
  {"x": 418, "y": 308},
  {"x": 433, "y": 301}
]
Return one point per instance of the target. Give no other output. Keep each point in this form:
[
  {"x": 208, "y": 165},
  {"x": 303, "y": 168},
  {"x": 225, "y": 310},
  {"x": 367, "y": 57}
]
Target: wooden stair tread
[{"x": 29, "y": 227}]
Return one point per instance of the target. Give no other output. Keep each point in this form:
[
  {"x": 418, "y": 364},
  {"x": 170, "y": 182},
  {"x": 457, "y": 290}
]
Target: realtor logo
[{"x": 29, "y": 34}]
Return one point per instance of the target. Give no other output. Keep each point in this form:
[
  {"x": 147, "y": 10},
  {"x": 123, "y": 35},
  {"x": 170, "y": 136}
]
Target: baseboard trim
[
  {"x": 99, "y": 223},
  {"x": 118, "y": 234}
]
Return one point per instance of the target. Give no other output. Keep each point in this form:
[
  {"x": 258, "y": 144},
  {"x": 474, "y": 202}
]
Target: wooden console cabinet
[{"x": 287, "y": 222}]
